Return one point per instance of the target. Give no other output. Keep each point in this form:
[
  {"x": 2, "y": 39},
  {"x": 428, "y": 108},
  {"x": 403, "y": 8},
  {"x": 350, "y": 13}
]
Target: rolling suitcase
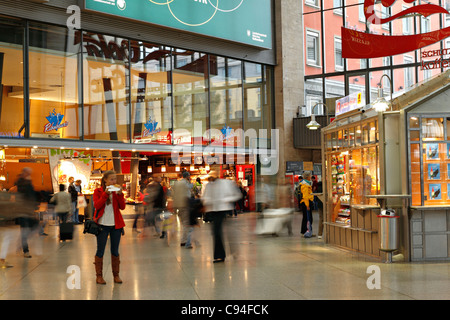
[{"x": 66, "y": 231}]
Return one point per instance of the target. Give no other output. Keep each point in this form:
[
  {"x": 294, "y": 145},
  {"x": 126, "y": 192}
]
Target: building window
[
  {"x": 312, "y": 3},
  {"x": 337, "y": 5},
  {"x": 362, "y": 17},
  {"x": 407, "y": 24},
  {"x": 312, "y": 48},
  {"x": 338, "y": 60},
  {"x": 409, "y": 72},
  {"x": 426, "y": 25}
]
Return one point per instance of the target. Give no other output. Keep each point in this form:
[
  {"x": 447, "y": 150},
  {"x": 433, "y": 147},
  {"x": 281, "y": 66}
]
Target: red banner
[{"x": 362, "y": 45}]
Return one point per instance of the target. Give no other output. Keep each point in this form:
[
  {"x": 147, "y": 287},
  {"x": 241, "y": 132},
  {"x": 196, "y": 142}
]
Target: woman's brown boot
[
  {"x": 115, "y": 262},
  {"x": 99, "y": 270}
]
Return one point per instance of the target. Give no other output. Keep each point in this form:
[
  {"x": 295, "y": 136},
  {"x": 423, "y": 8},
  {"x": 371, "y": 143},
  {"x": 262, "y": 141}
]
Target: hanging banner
[{"x": 361, "y": 45}]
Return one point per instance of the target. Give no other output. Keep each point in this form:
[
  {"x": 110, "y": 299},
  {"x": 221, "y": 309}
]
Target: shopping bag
[{"x": 81, "y": 202}]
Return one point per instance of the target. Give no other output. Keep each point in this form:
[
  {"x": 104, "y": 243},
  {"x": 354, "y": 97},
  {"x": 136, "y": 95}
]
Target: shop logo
[
  {"x": 150, "y": 128},
  {"x": 361, "y": 45},
  {"x": 55, "y": 121},
  {"x": 227, "y": 132}
]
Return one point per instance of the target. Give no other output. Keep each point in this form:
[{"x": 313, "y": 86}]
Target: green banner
[{"x": 243, "y": 21}]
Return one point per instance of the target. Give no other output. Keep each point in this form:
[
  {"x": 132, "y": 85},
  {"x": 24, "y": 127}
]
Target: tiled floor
[{"x": 257, "y": 267}]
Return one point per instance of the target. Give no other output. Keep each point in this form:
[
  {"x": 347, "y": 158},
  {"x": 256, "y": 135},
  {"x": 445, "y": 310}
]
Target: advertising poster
[
  {"x": 434, "y": 171},
  {"x": 435, "y": 192},
  {"x": 432, "y": 150}
]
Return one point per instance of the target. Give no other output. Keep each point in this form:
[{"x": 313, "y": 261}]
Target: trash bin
[{"x": 388, "y": 232}]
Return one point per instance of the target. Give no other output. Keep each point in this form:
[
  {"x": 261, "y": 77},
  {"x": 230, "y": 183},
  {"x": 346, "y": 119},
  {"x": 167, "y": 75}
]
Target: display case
[
  {"x": 352, "y": 175},
  {"x": 353, "y": 169},
  {"x": 429, "y": 153}
]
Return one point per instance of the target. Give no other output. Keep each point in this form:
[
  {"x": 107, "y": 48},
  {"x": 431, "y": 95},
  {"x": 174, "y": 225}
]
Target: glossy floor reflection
[{"x": 257, "y": 267}]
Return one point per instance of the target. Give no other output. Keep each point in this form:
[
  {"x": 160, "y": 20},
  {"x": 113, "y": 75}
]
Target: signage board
[
  {"x": 244, "y": 21},
  {"x": 350, "y": 103}
]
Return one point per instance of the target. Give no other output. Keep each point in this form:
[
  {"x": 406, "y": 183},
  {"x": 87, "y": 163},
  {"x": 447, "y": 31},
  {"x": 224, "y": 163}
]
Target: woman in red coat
[{"x": 108, "y": 201}]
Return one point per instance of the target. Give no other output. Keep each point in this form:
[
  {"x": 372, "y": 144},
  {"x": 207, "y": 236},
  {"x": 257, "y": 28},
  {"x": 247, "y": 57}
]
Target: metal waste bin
[{"x": 388, "y": 232}]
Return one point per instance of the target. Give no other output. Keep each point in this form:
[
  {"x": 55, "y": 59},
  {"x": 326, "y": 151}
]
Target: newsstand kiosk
[{"x": 394, "y": 160}]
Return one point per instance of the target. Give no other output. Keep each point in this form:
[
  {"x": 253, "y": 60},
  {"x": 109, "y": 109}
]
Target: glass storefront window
[
  {"x": 345, "y": 137},
  {"x": 11, "y": 79},
  {"x": 432, "y": 129},
  {"x": 340, "y": 139},
  {"x": 416, "y": 190},
  {"x": 448, "y": 128},
  {"x": 430, "y": 175},
  {"x": 436, "y": 176},
  {"x": 414, "y": 135},
  {"x": 356, "y": 177},
  {"x": 328, "y": 142},
  {"x": 53, "y": 57},
  {"x": 370, "y": 173},
  {"x": 351, "y": 133},
  {"x": 334, "y": 140},
  {"x": 106, "y": 88},
  {"x": 225, "y": 99},
  {"x": 91, "y": 86},
  {"x": 151, "y": 108},
  {"x": 414, "y": 123},
  {"x": 365, "y": 133},
  {"x": 358, "y": 136},
  {"x": 353, "y": 171},
  {"x": 373, "y": 132},
  {"x": 190, "y": 97},
  {"x": 257, "y": 102}
]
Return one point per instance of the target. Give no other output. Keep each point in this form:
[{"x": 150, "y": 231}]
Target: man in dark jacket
[
  {"x": 26, "y": 204},
  {"x": 74, "y": 194}
]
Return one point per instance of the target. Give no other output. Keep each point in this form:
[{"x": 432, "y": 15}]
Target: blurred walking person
[
  {"x": 155, "y": 200},
  {"x": 8, "y": 231},
  {"x": 182, "y": 193},
  {"x": 63, "y": 201},
  {"x": 26, "y": 204},
  {"x": 108, "y": 201},
  {"x": 285, "y": 201},
  {"x": 219, "y": 199}
]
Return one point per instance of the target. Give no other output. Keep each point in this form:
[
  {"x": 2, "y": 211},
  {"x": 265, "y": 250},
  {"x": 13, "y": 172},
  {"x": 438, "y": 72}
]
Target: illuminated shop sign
[
  {"x": 244, "y": 21},
  {"x": 362, "y": 45},
  {"x": 350, "y": 103}
]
